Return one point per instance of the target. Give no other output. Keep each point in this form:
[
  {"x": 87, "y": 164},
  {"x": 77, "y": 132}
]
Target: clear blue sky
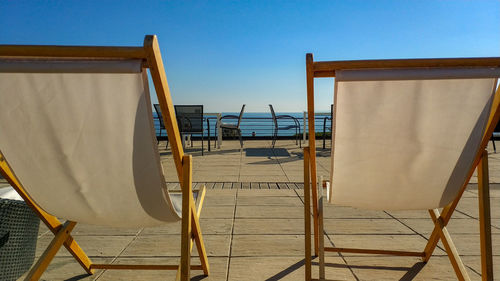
[{"x": 226, "y": 53}]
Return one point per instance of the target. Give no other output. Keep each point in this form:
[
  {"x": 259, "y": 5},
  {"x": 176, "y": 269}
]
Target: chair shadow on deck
[
  {"x": 411, "y": 272},
  {"x": 266, "y": 152}
]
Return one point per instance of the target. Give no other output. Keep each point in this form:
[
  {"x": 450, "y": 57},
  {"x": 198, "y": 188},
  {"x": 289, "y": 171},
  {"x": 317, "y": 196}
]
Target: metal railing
[{"x": 262, "y": 127}]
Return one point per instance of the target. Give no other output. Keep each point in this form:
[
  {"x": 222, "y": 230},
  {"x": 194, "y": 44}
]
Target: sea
[{"x": 260, "y": 124}]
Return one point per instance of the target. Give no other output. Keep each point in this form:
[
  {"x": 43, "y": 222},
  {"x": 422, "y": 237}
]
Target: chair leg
[
  {"x": 47, "y": 256},
  {"x": 321, "y": 243},
  {"x": 187, "y": 199},
  {"x": 485, "y": 218},
  {"x": 494, "y": 147},
  {"x": 449, "y": 246},
  {"x": 307, "y": 215}
]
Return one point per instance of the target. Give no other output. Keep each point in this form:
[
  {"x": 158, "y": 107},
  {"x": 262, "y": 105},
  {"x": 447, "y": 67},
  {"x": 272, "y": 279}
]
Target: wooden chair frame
[
  {"x": 327, "y": 69},
  {"x": 191, "y": 231}
]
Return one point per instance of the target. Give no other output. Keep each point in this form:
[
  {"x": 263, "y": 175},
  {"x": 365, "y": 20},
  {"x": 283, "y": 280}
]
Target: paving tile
[
  {"x": 469, "y": 206},
  {"x": 282, "y": 268},
  {"x": 270, "y": 201},
  {"x": 266, "y": 193},
  {"x": 85, "y": 229},
  {"x": 267, "y": 245},
  {"x": 269, "y": 226},
  {"x": 365, "y": 226},
  {"x": 67, "y": 268},
  {"x": 403, "y": 268},
  {"x": 455, "y": 226},
  {"x": 333, "y": 211},
  {"x": 218, "y": 270},
  {"x": 283, "y": 212},
  {"x": 474, "y": 262},
  {"x": 420, "y": 214},
  {"x": 170, "y": 246},
  {"x": 94, "y": 246},
  {"x": 386, "y": 242},
  {"x": 469, "y": 244},
  {"x": 208, "y": 226},
  {"x": 217, "y": 212}
]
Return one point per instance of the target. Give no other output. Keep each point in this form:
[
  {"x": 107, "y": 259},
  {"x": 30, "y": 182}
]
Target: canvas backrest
[
  {"x": 407, "y": 138},
  {"x": 80, "y": 138}
]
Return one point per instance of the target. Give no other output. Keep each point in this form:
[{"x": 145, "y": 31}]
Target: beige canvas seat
[
  {"x": 78, "y": 143},
  {"x": 407, "y": 135}
]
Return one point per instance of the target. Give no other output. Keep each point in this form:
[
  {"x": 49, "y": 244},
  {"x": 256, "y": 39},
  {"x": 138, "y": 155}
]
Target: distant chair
[
  {"x": 233, "y": 127},
  {"x": 495, "y": 136},
  {"x": 162, "y": 125},
  {"x": 190, "y": 120},
  {"x": 296, "y": 126},
  {"x": 325, "y": 128}
]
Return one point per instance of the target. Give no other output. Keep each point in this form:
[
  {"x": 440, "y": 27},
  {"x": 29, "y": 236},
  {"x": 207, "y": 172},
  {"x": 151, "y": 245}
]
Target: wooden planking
[
  {"x": 175, "y": 186},
  {"x": 282, "y": 185}
]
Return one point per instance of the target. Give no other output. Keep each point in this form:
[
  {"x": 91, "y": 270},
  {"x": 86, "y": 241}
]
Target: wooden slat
[
  {"x": 210, "y": 185},
  {"x": 254, "y": 185},
  {"x": 218, "y": 185},
  {"x": 227, "y": 185},
  {"x": 299, "y": 186},
  {"x": 273, "y": 185},
  {"x": 321, "y": 238},
  {"x": 245, "y": 185},
  {"x": 198, "y": 238},
  {"x": 263, "y": 185},
  {"x": 142, "y": 266},
  {"x": 374, "y": 252},
  {"x": 72, "y": 51},
  {"x": 282, "y": 185},
  {"x": 321, "y": 67},
  {"x": 485, "y": 218}
]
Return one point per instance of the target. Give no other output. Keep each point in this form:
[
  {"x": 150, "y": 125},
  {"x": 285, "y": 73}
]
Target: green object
[{"x": 18, "y": 237}]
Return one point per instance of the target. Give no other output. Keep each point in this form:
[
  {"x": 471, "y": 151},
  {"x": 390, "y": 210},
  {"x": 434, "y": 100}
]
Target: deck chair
[
  {"x": 95, "y": 160},
  {"x": 295, "y": 126},
  {"x": 407, "y": 135}
]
